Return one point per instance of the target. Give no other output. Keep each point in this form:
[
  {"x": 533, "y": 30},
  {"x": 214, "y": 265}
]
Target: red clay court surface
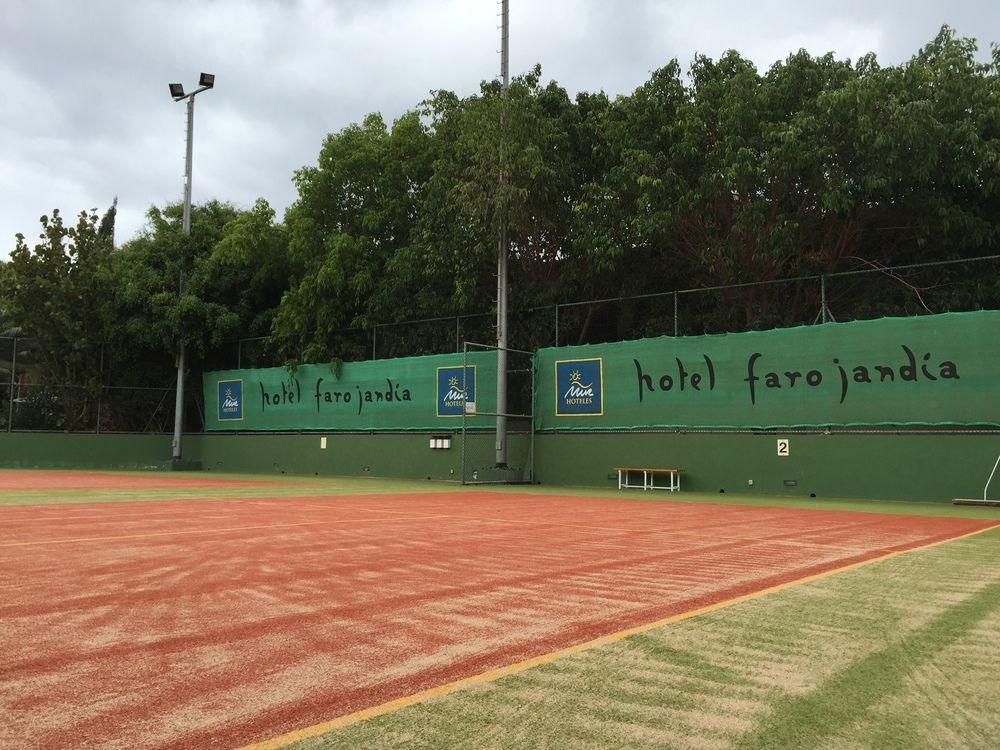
[
  {"x": 102, "y": 480},
  {"x": 181, "y": 623}
]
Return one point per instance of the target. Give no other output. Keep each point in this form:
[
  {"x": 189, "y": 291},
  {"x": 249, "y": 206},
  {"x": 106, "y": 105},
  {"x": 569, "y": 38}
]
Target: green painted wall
[
  {"x": 892, "y": 466},
  {"x": 403, "y": 455},
  {"x": 82, "y": 450},
  {"x": 915, "y": 466}
]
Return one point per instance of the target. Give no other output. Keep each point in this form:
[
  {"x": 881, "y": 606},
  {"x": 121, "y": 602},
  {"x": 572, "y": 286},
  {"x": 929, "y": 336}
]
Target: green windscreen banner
[
  {"x": 927, "y": 370},
  {"x": 412, "y": 393}
]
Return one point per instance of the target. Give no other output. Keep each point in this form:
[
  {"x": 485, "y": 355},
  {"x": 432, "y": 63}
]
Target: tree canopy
[{"x": 721, "y": 175}]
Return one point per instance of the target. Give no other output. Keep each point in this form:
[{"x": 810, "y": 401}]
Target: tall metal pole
[
  {"x": 186, "y": 223},
  {"x": 503, "y": 250}
]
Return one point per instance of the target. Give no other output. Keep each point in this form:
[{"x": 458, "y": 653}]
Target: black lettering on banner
[
  {"x": 394, "y": 393},
  {"x": 291, "y": 393},
  {"x": 685, "y": 380},
  {"x": 907, "y": 371},
  {"x": 643, "y": 379}
]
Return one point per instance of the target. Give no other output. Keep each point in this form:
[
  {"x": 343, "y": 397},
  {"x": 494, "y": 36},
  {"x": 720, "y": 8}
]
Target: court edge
[{"x": 356, "y": 717}]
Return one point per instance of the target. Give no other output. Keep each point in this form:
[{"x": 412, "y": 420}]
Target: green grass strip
[
  {"x": 805, "y": 721},
  {"x": 897, "y": 654}
]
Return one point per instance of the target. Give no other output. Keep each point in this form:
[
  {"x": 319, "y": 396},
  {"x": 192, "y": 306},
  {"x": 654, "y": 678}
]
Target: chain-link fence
[
  {"x": 72, "y": 408},
  {"x": 872, "y": 291},
  {"x": 29, "y": 403}
]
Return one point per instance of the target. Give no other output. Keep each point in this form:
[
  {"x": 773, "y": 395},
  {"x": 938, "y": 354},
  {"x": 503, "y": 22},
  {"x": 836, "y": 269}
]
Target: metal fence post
[
  {"x": 458, "y": 344},
  {"x": 676, "y": 322},
  {"x": 239, "y": 354},
  {"x": 100, "y": 392},
  {"x": 557, "y": 324},
  {"x": 13, "y": 369},
  {"x": 822, "y": 297},
  {"x": 374, "y": 330}
]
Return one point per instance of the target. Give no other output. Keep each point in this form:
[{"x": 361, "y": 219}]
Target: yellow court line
[
  {"x": 201, "y": 531},
  {"x": 495, "y": 674}
]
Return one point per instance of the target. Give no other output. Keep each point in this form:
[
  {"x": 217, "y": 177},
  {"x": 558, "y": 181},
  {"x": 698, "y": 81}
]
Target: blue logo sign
[
  {"x": 456, "y": 389},
  {"x": 230, "y": 400},
  {"x": 579, "y": 387}
]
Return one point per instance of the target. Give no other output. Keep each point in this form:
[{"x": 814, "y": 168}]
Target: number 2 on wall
[{"x": 783, "y": 446}]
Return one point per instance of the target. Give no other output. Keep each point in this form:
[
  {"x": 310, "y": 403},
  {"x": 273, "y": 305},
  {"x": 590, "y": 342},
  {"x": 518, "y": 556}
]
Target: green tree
[
  {"x": 155, "y": 314},
  {"x": 356, "y": 210},
  {"x": 728, "y": 175},
  {"x": 59, "y": 294},
  {"x": 234, "y": 269},
  {"x": 816, "y": 166}
]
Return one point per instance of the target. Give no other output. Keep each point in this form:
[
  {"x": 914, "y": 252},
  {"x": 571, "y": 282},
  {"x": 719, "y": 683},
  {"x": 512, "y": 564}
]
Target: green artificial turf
[{"x": 900, "y": 653}]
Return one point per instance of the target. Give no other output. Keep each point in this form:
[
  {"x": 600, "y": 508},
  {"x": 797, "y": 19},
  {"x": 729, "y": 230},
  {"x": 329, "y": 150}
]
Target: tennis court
[{"x": 223, "y": 621}]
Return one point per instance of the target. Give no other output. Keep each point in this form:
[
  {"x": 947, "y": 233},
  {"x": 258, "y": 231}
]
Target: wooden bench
[{"x": 649, "y": 478}]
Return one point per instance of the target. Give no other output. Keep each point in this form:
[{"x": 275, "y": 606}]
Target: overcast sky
[{"x": 85, "y": 113}]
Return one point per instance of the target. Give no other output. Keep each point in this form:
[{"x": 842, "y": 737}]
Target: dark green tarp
[
  {"x": 411, "y": 393},
  {"x": 929, "y": 370}
]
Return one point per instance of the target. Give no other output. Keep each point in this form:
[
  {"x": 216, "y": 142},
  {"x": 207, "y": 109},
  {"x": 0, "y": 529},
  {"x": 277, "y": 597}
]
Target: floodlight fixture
[
  {"x": 177, "y": 90},
  {"x": 207, "y": 80}
]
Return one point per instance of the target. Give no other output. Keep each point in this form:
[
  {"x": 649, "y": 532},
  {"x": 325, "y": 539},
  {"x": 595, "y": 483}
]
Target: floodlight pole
[
  {"x": 501, "y": 445},
  {"x": 186, "y": 225}
]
